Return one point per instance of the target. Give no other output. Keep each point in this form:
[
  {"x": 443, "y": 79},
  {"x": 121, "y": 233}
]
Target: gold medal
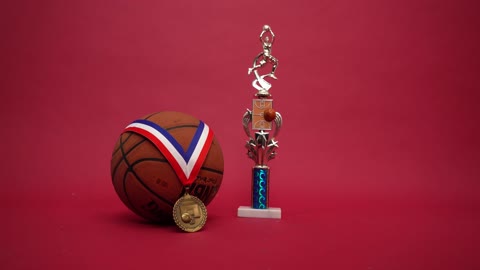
[{"x": 189, "y": 213}]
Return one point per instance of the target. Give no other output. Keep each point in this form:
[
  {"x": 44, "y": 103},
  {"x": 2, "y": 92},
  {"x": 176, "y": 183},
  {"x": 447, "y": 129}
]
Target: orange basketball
[
  {"x": 145, "y": 180},
  {"x": 269, "y": 114}
]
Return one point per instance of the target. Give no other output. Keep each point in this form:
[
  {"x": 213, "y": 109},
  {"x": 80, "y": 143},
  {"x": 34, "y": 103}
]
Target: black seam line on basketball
[
  {"x": 121, "y": 145},
  {"x": 182, "y": 126},
  {"x": 149, "y": 159},
  {"x": 130, "y": 168},
  {"x": 128, "y": 152},
  {"x": 126, "y": 193},
  {"x": 212, "y": 170},
  {"x": 126, "y": 172},
  {"x": 150, "y": 115},
  {"x": 166, "y": 161}
]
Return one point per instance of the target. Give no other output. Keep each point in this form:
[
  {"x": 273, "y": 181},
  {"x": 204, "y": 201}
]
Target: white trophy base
[{"x": 271, "y": 212}]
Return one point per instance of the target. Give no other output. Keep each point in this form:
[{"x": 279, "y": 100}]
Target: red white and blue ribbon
[{"x": 185, "y": 164}]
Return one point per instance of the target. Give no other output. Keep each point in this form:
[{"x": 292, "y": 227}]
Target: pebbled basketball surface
[{"x": 145, "y": 181}]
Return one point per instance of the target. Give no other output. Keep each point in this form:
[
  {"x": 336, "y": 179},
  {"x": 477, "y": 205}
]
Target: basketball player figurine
[
  {"x": 261, "y": 59},
  {"x": 262, "y": 119}
]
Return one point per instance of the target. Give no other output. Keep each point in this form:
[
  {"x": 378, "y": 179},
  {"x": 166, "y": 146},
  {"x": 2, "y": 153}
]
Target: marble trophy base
[{"x": 271, "y": 212}]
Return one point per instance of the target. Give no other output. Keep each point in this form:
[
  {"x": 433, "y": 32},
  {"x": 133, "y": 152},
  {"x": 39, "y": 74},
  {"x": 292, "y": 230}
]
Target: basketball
[
  {"x": 269, "y": 114},
  {"x": 146, "y": 180}
]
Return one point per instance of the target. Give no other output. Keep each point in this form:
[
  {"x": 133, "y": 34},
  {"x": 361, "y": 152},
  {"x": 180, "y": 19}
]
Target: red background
[{"x": 378, "y": 165}]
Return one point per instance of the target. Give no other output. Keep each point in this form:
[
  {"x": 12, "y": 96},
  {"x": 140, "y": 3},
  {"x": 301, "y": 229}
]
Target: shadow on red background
[{"x": 378, "y": 164}]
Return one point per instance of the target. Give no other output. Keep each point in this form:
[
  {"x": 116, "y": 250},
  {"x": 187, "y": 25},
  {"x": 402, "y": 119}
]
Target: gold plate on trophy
[{"x": 189, "y": 213}]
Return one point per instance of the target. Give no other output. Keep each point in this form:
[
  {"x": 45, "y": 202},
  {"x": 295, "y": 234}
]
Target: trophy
[{"x": 262, "y": 125}]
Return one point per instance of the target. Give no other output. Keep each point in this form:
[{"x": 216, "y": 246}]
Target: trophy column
[
  {"x": 260, "y": 187},
  {"x": 265, "y": 122}
]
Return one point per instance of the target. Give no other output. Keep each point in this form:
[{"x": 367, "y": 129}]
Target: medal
[{"x": 189, "y": 213}]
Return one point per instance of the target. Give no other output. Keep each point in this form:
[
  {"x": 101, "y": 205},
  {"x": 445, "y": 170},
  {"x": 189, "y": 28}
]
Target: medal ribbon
[{"x": 185, "y": 164}]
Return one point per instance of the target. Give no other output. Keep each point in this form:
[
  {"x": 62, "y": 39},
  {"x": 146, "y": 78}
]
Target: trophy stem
[{"x": 260, "y": 186}]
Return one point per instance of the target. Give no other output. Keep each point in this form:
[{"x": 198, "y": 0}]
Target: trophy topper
[{"x": 267, "y": 38}]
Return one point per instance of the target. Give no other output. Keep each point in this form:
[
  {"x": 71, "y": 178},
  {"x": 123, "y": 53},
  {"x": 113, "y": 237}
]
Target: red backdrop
[{"x": 378, "y": 164}]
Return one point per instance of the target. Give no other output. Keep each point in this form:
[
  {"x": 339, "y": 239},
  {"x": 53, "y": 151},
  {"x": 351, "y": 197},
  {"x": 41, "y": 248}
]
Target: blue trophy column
[{"x": 260, "y": 187}]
